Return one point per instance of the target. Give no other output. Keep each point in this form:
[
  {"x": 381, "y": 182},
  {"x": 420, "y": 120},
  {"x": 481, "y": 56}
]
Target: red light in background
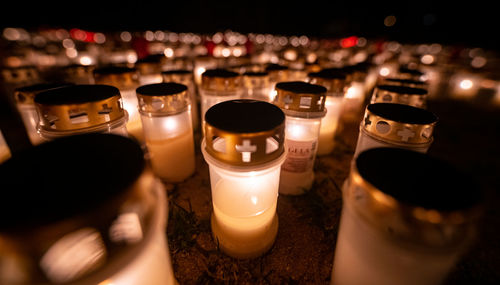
[
  {"x": 349, "y": 42},
  {"x": 82, "y": 35}
]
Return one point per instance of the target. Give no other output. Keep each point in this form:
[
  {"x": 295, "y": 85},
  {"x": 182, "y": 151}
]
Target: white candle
[
  {"x": 134, "y": 124},
  {"x": 329, "y": 124},
  {"x": 244, "y": 157},
  {"x": 168, "y": 131}
]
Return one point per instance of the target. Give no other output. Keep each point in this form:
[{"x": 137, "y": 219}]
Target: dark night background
[{"x": 469, "y": 23}]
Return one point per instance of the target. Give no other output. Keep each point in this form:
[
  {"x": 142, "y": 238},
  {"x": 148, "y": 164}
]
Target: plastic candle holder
[
  {"x": 25, "y": 97},
  {"x": 244, "y": 148},
  {"x": 396, "y": 125},
  {"x": 184, "y": 76},
  {"x": 257, "y": 86},
  {"x": 277, "y": 73},
  {"x": 304, "y": 106},
  {"x": 98, "y": 215},
  {"x": 412, "y": 96},
  {"x": 20, "y": 76},
  {"x": 126, "y": 80},
  {"x": 79, "y": 74},
  {"x": 4, "y": 149},
  {"x": 202, "y": 64},
  {"x": 334, "y": 82},
  {"x": 396, "y": 227},
  {"x": 219, "y": 85},
  {"x": 166, "y": 119},
  {"x": 403, "y": 82},
  {"x": 79, "y": 109}
]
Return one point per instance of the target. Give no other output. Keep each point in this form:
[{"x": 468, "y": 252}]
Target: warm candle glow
[
  {"x": 329, "y": 124},
  {"x": 130, "y": 104},
  {"x": 4, "y": 149}
]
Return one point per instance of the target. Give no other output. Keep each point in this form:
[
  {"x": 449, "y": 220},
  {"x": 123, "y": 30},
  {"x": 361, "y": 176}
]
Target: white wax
[
  {"x": 30, "y": 120},
  {"x": 130, "y": 104},
  {"x": 172, "y": 159},
  {"x": 301, "y": 138},
  {"x": 366, "y": 142},
  {"x": 364, "y": 255},
  {"x": 329, "y": 124},
  {"x": 244, "y": 220}
]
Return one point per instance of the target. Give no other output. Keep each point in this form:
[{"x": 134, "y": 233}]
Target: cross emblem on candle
[
  {"x": 246, "y": 150},
  {"x": 406, "y": 134}
]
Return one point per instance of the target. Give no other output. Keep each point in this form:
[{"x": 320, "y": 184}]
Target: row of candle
[{"x": 246, "y": 169}]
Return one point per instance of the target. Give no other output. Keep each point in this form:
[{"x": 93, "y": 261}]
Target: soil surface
[{"x": 467, "y": 136}]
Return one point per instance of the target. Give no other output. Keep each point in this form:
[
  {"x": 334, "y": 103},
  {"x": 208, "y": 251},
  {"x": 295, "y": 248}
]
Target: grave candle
[
  {"x": 396, "y": 227},
  {"x": 304, "y": 106},
  {"x": 400, "y": 94},
  {"x": 257, "y": 86},
  {"x": 244, "y": 148},
  {"x": 99, "y": 215},
  {"x": 126, "y": 80},
  {"x": 334, "y": 82},
  {"x": 166, "y": 119},
  {"x": 78, "y": 109}
]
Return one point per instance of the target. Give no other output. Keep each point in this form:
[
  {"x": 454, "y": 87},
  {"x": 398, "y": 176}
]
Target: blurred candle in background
[
  {"x": 412, "y": 96},
  {"x": 79, "y": 73},
  {"x": 79, "y": 109},
  {"x": 396, "y": 227},
  {"x": 98, "y": 216},
  {"x": 184, "y": 76},
  {"x": 304, "y": 106},
  {"x": 150, "y": 69},
  {"x": 126, "y": 80},
  {"x": 244, "y": 148},
  {"x": 334, "y": 82},
  {"x": 166, "y": 118},
  {"x": 257, "y": 86},
  {"x": 396, "y": 125}
]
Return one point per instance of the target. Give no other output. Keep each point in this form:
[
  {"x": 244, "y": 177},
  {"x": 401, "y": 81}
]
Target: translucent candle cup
[
  {"x": 396, "y": 125},
  {"x": 150, "y": 69},
  {"x": 184, "y": 76},
  {"x": 304, "y": 106},
  {"x": 334, "y": 82},
  {"x": 398, "y": 228},
  {"x": 166, "y": 119},
  {"x": 91, "y": 213},
  {"x": 257, "y": 86},
  {"x": 79, "y": 109},
  {"x": 244, "y": 148}
]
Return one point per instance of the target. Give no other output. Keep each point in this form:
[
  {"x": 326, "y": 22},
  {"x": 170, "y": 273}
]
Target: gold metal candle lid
[
  {"x": 118, "y": 76},
  {"x": 399, "y": 94},
  {"x": 301, "y": 97},
  {"x": 412, "y": 196},
  {"x": 399, "y": 124},
  {"x": 411, "y": 74},
  {"x": 78, "y": 70},
  {"x": 332, "y": 79},
  {"x": 162, "y": 98},
  {"x": 220, "y": 80},
  {"x": 26, "y": 94},
  {"x": 244, "y": 132},
  {"x": 20, "y": 74},
  {"x": 182, "y": 76},
  {"x": 403, "y": 82},
  {"x": 253, "y": 80},
  {"x": 78, "y": 107}
]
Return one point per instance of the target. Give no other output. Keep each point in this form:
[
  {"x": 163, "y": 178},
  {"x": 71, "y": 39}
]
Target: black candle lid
[
  {"x": 177, "y": 71},
  {"x": 402, "y": 113},
  {"x": 276, "y": 67},
  {"x": 416, "y": 179},
  {"x": 109, "y": 70},
  {"x": 218, "y": 72},
  {"x": 67, "y": 177},
  {"x": 161, "y": 89},
  {"x": 301, "y": 87},
  {"x": 402, "y": 89}
]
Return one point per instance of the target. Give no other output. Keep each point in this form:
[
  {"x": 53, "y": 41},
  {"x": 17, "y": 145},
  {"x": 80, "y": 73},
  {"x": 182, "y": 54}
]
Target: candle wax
[
  {"x": 172, "y": 159},
  {"x": 329, "y": 125}
]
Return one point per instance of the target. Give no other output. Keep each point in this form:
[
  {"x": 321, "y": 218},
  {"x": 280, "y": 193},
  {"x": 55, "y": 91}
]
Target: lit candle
[
  {"x": 257, "y": 86},
  {"x": 202, "y": 64},
  {"x": 396, "y": 125},
  {"x": 304, "y": 107},
  {"x": 184, "y": 76},
  {"x": 78, "y": 109},
  {"x": 25, "y": 97},
  {"x": 19, "y": 76},
  {"x": 416, "y": 97},
  {"x": 219, "y": 85},
  {"x": 464, "y": 85},
  {"x": 109, "y": 229},
  {"x": 244, "y": 148},
  {"x": 334, "y": 82},
  {"x": 150, "y": 69},
  {"x": 126, "y": 80},
  {"x": 4, "y": 149},
  {"x": 396, "y": 227},
  {"x": 166, "y": 119},
  {"x": 277, "y": 73}
]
